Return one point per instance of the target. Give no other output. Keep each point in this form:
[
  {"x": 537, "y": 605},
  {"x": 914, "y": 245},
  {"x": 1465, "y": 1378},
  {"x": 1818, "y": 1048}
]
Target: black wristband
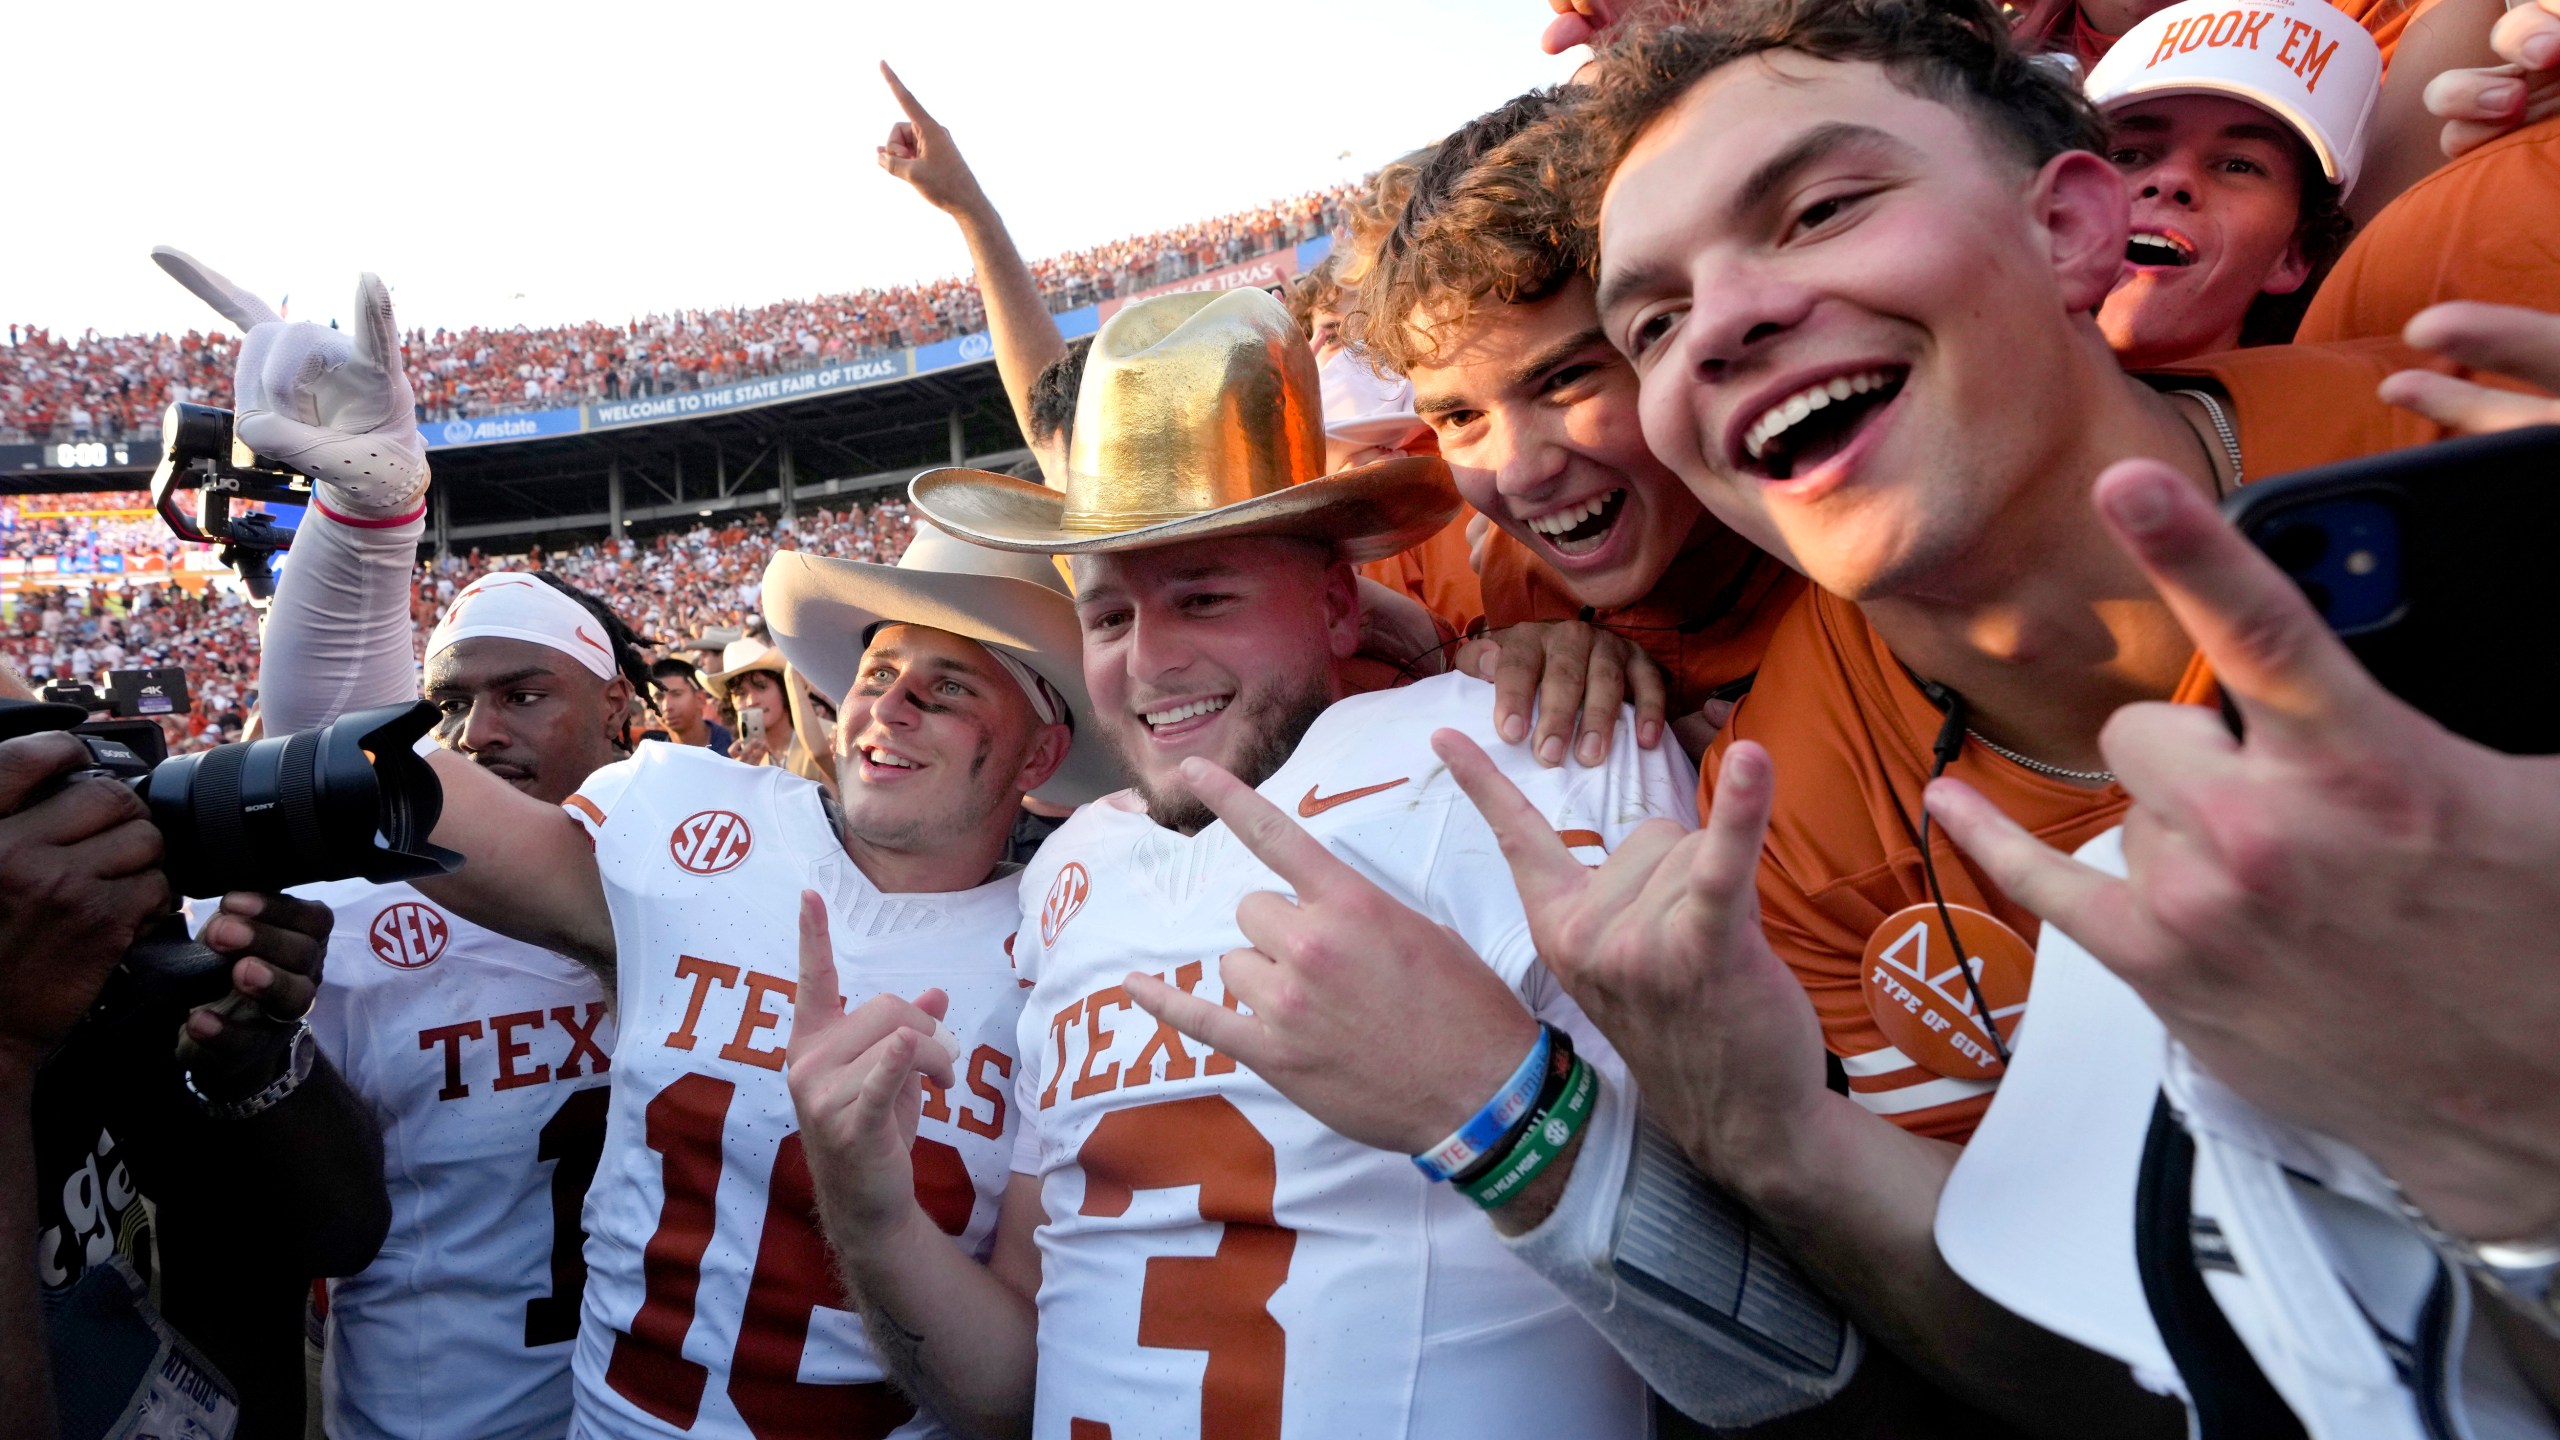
[{"x": 1559, "y": 1070}]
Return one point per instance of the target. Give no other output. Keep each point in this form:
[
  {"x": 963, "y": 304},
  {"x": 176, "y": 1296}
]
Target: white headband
[
  {"x": 517, "y": 606},
  {"x": 1045, "y": 700}
]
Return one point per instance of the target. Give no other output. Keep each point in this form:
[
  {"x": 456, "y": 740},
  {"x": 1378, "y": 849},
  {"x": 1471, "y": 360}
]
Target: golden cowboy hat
[
  {"x": 822, "y": 612},
  {"x": 1199, "y": 418}
]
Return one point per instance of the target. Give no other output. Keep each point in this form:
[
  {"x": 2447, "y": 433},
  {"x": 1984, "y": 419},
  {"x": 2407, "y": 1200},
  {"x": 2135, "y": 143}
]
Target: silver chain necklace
[
  {"x": 2231, "y": 450},
  {"x": 2085, "y": 777},
  {"x": 2222, "y": 431}
]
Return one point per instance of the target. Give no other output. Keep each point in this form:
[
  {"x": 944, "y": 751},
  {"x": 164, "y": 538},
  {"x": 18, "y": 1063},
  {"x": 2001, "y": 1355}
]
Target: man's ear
[
  {"x": 2081, "y": 202},
  {"x": 617, "y": 710},
  {"x": 1342, "y": 609},
  {"x": 2292, "y": 270},
  {"x": 1041, "y": 759}
]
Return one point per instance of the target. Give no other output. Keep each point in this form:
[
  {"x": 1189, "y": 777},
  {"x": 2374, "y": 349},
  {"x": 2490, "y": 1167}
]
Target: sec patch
[
  {"x": 408, "y": 936},
  {"x": 1066, "y": 896},
  {"x": 709, "y": 842}
]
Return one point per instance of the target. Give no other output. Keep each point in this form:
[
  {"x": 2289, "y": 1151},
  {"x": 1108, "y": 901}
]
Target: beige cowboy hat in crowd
[
  {"x": 738, "y": 658},
  {"x": 822, "y": 612},
  {"x": 1199, "y": 418}
]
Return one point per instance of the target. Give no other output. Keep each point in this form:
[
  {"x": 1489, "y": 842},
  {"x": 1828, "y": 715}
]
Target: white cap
[
  {"x": 2302, "y": 61},
  {"x": 515, "y": 606},
  {"x": 1364, "y": 407}
]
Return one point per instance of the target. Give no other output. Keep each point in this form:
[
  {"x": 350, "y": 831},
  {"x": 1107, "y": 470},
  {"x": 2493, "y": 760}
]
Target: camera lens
[
  {"x": 350, "y": 798},
  {"x": 2298, "y": 547}
]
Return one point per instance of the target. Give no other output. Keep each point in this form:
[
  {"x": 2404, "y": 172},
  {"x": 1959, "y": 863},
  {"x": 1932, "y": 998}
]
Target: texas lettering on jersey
[
  {"x": 1214, "y": 1262},
  {"x": 488, "y": 1060},
  {"x": 712, "y": 1303}
]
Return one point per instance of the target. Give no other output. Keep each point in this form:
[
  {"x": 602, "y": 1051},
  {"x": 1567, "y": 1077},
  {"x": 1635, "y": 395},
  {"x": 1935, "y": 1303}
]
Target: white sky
[{"x": 538, "y": 161}]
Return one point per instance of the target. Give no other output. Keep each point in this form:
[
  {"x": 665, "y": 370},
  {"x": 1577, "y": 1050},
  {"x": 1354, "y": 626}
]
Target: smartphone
[
  {"x": 2436, "y": 566},
  {"x": 751, "y": 724}
]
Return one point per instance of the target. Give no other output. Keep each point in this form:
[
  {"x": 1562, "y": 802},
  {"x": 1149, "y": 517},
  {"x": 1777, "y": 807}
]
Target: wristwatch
[
  {"x": 302, "y": 1051},
  {"x": 2520, "y": 1272}
]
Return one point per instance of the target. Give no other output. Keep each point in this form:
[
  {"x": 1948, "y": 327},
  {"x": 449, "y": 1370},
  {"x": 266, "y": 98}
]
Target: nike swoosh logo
[
  {"x": 1311, "y": 807},
  {"x": 590, "y": 639}
]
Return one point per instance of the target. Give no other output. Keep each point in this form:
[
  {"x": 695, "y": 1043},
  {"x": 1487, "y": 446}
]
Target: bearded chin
[{"x": 1274, "y": 722}]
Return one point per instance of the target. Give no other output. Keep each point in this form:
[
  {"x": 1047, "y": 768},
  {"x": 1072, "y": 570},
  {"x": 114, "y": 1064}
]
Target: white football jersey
[
  {"x": 486, "y": 1061},
  {"x": 712, "y": 1304},
  {"x": 1214, "y": 1262}
]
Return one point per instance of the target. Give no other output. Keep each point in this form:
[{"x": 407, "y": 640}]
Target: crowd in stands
[
  {"x": 106, "y": 387},
  {"x": 672, "y": 587},
  {"x": 107, "y": 522},
  {"x": 78, "y": 634}
]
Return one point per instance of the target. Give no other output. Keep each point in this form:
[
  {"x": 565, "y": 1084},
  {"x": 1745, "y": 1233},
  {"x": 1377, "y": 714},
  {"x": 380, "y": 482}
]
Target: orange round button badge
[{"x": 1919, "y": 998}]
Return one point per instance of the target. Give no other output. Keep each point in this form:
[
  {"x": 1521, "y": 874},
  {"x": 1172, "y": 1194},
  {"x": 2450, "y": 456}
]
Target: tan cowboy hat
[
  {"x": 738, "y": 658},
  {"x": 822, "y": 613},
  {"x": 1199, "y": 418}
]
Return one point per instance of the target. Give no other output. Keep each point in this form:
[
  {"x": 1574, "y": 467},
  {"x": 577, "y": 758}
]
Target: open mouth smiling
[
  {"x": 1817, "y": 422},
  {"x": 1582, "y": 527},
  {"x": 2158, "y": 250},
  {"x": 880, "y": 765},
  {"x": 1185, "y": 718}
]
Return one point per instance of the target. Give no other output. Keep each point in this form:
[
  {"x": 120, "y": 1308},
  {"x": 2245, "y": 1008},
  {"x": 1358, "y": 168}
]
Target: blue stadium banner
[
  {"x": 970, "y": 349},
  {"x": 1311, "y": 253},
  {"x": 964, "y": 350},
  {"x": 749, "y": 394},
  {"x": 495, "y": 429}
]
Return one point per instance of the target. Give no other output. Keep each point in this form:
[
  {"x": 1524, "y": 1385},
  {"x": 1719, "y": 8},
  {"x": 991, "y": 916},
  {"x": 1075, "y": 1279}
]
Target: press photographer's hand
[
  {"x": 334, "y": 406},
  {"x": 79, "y": 876},
  {"x": 276, "y": 945}
]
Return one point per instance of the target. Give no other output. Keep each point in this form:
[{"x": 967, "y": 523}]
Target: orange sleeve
[
  {"x": 2477, "y": 229},
  {"x": 1437, "y": 574}
]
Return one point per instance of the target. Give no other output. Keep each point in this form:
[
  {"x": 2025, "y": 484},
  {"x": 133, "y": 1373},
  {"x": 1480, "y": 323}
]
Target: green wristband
[{"x": 1539, "y": 1145}]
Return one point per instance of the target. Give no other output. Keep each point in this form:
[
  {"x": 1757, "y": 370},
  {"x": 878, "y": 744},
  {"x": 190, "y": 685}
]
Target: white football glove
[{"x": 334, "y": 406}]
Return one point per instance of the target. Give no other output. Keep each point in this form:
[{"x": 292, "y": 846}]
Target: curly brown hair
[
  {"x": 1484, "y": 222},
  {"x": 1956, "y": 52},
  {"x": 2322, "y": 231},
  {"x": 1317, "y": 289}
]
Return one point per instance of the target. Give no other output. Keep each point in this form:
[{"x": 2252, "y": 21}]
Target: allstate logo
[
  {"x": 976, "y": 347},
  {"x": 457, "y": 432}
]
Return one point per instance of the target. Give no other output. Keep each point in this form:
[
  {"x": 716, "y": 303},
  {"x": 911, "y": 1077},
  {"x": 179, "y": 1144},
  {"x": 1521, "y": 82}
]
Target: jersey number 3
[
  {"x": 1217, "y": 1303},
  {"x": 793, "y": 1276}
]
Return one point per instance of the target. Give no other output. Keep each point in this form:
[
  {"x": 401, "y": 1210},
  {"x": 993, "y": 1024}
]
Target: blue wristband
[{"x": 1485, "y": 1130}]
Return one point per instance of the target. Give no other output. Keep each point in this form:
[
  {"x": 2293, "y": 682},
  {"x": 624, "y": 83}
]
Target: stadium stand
[
  {"x": 107, "y": 387},
  {"x": 77, "y": 617}
]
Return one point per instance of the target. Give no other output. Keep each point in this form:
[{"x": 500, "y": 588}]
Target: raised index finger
[
  {"x": 816, "y": 1004},
  {"x": 235, "y": 304},
  {"x": 1275, "y": 839},
  {"x": 1540, "y": 865},
  {"x": 906, "y": 98},
  {"x": 2268, "y": 647}
]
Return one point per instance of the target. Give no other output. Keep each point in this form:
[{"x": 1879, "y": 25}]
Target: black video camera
[
  {"x": 198, "y": 451},
  {"x": 352, "y": 798}
]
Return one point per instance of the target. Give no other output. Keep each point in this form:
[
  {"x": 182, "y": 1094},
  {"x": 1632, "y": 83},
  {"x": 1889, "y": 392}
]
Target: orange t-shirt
[
  {"x": 1705, "y": 624},
  {"x": 1850, "y": 733},
  {"x": 2470, "y": 231},
  {"x": 1436, "y": 573}
]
